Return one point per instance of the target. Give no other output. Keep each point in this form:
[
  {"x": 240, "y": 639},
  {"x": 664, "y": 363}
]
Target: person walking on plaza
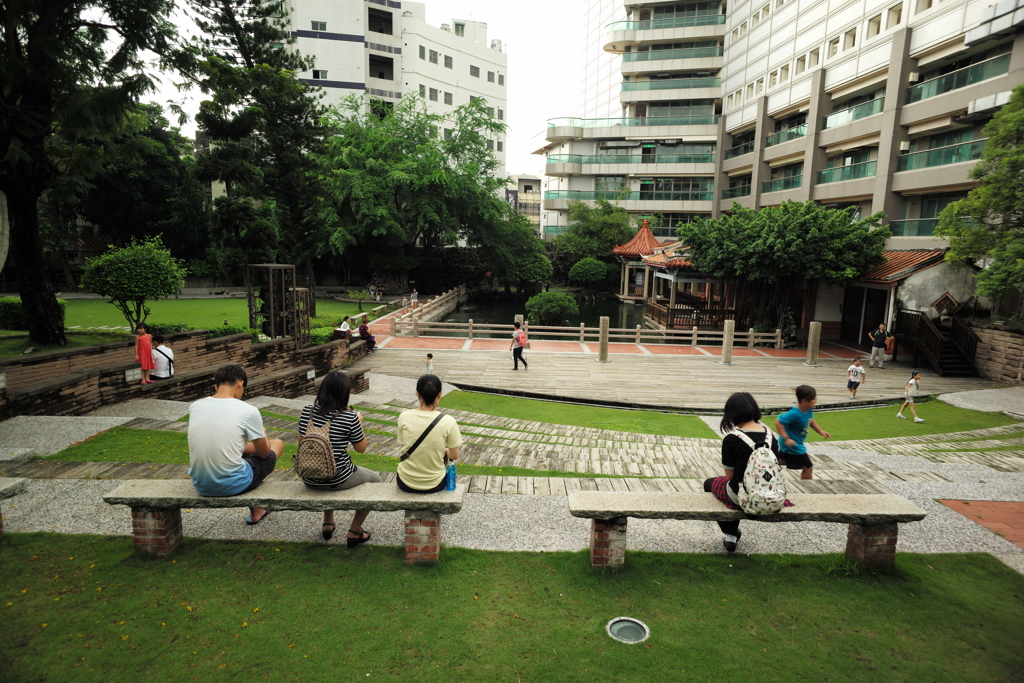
[
  {"x": 163, "y": 359},
  {"x": 855, "y": 376},
  {"x": 878, "y": 338},
  {"x": 517, "y": 346},
  {"x": 909, "y": 394},
  {"x": 792, "y": 429},
  {"x": 430, "y": 364},
  {"x": 414, "y": 298},
  {"x": 228, "y": 449}
]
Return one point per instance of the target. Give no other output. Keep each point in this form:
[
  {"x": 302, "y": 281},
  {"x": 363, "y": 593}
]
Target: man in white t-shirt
[
  {"x": 163, "y": 359},
  {"x": 228, "y": 449}
]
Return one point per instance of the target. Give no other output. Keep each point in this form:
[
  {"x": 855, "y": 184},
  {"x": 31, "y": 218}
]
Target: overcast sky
[{"x": 544, "y": 42}]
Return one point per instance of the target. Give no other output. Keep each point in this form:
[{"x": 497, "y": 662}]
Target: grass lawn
[
  {"x": 639, "y": 421},
  {"x": 203, "y": 313},
  {"x": 85, "y": 608},
  {"x": 882, "y": 423},
  {"x": 16, "y": 343},
  {"x": 123, "y": 444}
]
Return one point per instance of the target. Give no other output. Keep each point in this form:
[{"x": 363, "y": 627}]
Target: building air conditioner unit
[
  {"x": 905, "y": 146},
  {"x": 914, "y": 76}
]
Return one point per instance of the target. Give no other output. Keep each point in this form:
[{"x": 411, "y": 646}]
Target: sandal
[
  {"x": 329, "y": 533},
  {"x": 250, "y": 522},
  {"x": 364, "y": 536}
]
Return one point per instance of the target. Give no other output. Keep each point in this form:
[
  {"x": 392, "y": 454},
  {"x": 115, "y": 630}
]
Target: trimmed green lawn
[
  {"x": 882, "y": 423},
  {"x": 203, "y": 313},
  {"x": 85, "y": 608},
  {"x": 638, "y": 421},
  {"x": 16, "y": 343}
]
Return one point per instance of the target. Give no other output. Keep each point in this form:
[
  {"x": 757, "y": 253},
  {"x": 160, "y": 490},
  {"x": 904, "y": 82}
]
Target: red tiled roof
[
  {"x": 668, "y": 260},
  {"x": 643, "y": 242},
  {"x": 901, "y": 264}
]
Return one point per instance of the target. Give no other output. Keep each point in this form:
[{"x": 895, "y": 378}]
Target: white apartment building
[
  {"x": 524, "y": 192},
  {"x": 385, "y": 48}
]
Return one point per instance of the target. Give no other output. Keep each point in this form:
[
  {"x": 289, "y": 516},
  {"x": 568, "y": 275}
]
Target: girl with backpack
[
  {"x": 332, "y": 420},
  {"x": 741, "y": 415},
  {"x": 429, "y": 437}
]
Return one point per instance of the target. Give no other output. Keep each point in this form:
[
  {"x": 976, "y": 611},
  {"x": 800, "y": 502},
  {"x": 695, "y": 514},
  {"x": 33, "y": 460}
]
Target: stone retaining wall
[{"x": 1000, "y": 354}]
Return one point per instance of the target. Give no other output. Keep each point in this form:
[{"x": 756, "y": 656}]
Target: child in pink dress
[{"x": 144, "y": 351}]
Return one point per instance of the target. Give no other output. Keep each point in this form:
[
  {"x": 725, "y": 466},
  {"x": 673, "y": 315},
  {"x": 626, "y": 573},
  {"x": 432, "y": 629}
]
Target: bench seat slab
[{"x": 159, "y": 494}]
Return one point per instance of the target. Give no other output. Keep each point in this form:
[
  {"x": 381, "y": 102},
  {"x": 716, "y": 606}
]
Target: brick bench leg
[
  {"x": 872, "y": 546},
  {"x": 156, "y": 531},
  {"x": 422, "y": 536},
  {"x": 608, "y": 542}
]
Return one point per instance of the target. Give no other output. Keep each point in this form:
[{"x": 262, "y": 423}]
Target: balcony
[
  {"x": 852, "y": 172},
  {"x": 646, "y": 196},
  {"x": 677, "y": 22},
  {"x": 961, "y": 78},
  {"x": 734, "y": 192},
  {"x": 941, "y": 156},
  {"x": 916, "y": 227},
  {"x": 631, "y": 159},
  {"x": 786, "y": 135},
  {"x": 852, "y": 114},
  {"x": 790, "y": 183},
  {"x": 555, "y": 229},
  {"x": 671, "y": 84},
  {"x": 654, "y": 126},
  {"x": 657, "y": 55},
  {"x": 740, "y": 150}
]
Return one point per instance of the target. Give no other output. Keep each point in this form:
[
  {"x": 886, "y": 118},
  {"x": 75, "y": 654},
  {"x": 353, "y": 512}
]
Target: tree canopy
[
  {"x": 989, "y": 223},
  {"x": 593, "y": 232},
  {"x": 588, "y": 272},
  {"x": 778, "y": 247},
  {"x": 551, "y": 308}
]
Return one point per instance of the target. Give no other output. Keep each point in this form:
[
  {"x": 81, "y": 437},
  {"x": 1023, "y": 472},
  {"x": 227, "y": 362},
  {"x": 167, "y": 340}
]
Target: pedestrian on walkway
[
  {"x": 909, "y": 394},
  {"x": 415, "y": 299},
  {"x": 430, "y": 364},
  {"x": 517, "y": 346},
  {"x": 405, "y": 305},
  {"x": 855, "y": 376},
  {"x": 878, "y": 338},
  {"x": 792, "y": 429}
]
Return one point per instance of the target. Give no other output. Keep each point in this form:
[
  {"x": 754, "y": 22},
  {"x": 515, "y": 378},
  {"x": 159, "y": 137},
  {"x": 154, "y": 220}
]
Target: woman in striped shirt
[{"x": 346, "y": 428}]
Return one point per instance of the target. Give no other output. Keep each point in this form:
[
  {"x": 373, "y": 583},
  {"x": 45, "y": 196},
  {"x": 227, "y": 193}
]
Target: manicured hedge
[{"x": 14, "y": 317}]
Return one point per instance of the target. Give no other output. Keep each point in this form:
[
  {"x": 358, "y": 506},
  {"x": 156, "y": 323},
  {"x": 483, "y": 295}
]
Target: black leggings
[{"x": 729, "y": 528}]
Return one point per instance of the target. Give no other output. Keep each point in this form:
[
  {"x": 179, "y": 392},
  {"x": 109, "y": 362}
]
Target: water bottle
[{"x": 449, "y": 477}]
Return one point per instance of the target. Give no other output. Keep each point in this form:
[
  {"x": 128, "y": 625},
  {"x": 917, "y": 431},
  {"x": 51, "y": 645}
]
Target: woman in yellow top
[{"x": 423, "y": 471}]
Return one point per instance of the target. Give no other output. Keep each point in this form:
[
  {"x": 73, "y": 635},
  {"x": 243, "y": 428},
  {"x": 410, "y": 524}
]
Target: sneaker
[
  {"x": 730, "y": 543},
  {"x": 851, "y": 398},
  {"x": 901, "y": 415},
  {"x": 917, "y": 419}
]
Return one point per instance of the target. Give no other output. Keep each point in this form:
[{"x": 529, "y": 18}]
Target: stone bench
[
  {"x": 156, "y": 509},
  {"x": 10, "y": 487},
  {"x": 873, "y": 519}
]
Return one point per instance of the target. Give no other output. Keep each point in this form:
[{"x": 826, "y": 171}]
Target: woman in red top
[{"x": 144, "y": 351}]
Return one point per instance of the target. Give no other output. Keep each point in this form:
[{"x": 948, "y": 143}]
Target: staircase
[{"x": 950, "y": 352}]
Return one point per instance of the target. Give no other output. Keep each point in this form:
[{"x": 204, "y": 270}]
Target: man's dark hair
[
  {"x": 158, "y": 338},
  {"x": 741, "y": 408},
  {"x": 230, "y": 374},
  {"x": 517, "y": 326},
  {"x": 805, "y": 393}
]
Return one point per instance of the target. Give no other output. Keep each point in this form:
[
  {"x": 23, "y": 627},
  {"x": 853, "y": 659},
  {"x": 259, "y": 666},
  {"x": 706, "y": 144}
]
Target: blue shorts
[{"x": 852, "y": 385}]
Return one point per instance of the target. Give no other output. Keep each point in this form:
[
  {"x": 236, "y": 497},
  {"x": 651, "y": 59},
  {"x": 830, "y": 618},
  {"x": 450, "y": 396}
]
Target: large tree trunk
[{"x": 37, "y": 297}]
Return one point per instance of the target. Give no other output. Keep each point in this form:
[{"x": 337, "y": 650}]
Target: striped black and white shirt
[{"x": 345, "y": 429}]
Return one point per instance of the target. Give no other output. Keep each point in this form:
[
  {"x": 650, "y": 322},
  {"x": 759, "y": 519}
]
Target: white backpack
[{"x": 763, "y": 491}]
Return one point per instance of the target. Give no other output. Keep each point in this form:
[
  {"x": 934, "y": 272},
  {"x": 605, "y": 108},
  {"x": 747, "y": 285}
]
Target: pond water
[{"x": 504, "y": 311}]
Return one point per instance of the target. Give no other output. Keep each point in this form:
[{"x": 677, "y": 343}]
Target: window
[
  {"x": 750, "y": 91},
  {"x": 490, "y": 112},
  {"x": 474, "y": 71},
  {"x": 319, "y": 25},
  {"x": 735, "y": 34},
  {"x": 833, "y": 48},
  {"x": 760, "y": 84},
  {"x": 923, "y": 5},
  {"x": 765, "y": 11},
  {"x": 801, "y": 64},
  {"x": 773, "y": 79},
  {"x": 729, "y": 101},
  {"x": 895, "y": 16},
  {"x": 460, "y": 30},
  {"x": 784, "y": 74},
  {"x": 501, "y": 79},
  {"x": 490, "y": 145},
  {"x": 433, "y": 131},
  {"x": 850, "y": 39},
  {"x": 447, "y": 133},
  {"x": 813, "y": 58},
  {"x": 423, "y": 52},
  {"x": 319, "y": 75},
  {"x": 490, "y": 77},
  {"x": 448, "y": 98},
  {"x": 433, "y": 94},
  {"x": 423, "y": 90},
  {"x": 501, "y": 114},
  {"x": 743, "y": 28},
  {"x": 433, "y": 56},
  {"x": 874, "y": 25},
  {"x": 779, "y": 3},
  {"x": 448, "y": 62},
  {"x": 501, "y": 147},
  {"x": 755, "y": 19}
]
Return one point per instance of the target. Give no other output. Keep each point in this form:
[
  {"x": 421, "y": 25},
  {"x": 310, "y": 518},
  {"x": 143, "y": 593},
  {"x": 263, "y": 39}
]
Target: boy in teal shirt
[{"x": 792, "y": 429}]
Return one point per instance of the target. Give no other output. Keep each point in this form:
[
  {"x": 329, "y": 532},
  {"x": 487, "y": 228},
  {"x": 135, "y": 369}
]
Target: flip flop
[
  {"x": 248, "y": 520},
  {"x": 363, "y": 538}
]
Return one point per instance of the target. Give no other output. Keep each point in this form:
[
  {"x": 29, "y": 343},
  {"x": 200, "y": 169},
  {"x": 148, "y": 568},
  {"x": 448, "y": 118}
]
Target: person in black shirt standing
[
  {"x": 878, "y": 338},
  {"x": 741, "y": 412}
]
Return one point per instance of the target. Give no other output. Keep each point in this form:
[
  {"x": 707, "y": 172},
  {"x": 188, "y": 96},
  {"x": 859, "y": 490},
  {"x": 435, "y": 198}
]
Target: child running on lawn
[{"x": 792, "y": 429}]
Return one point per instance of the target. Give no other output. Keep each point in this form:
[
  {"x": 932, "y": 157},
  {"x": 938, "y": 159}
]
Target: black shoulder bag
[{"x": 426, "y": 431}]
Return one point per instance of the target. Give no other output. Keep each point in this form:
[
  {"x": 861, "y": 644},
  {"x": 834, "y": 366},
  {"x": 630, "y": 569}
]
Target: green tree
[
  {"x": 774, "y": 249},
  {"x": 360, "y": 296},
  {"x": 133, "y": 275},
  {"x": 593, "y": 232},
  {"x": 551, "y": 308},
  {"x": 66, "y": 63},
  {"x": 588, "y": 272},
  {"x": 989, "y": 223}
]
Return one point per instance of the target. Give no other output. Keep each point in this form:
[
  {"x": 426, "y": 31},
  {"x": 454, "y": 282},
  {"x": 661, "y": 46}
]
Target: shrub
[
  {"x": 13, "y": 316},
  {"x": 588, "y": 272},
  {"x": 551, "y": 308},
  {"x": 320, "y": 335},
  {"x": 170, "y": 328},
  {"x": 324, "y": 321},
  {"x": 225, "y": 330}
]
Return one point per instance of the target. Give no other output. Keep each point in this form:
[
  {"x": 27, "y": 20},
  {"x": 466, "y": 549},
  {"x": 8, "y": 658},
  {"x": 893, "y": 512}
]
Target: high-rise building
[
  {"x": 386, "y": 49},
  {"x": 523, "y": 192},
  {"x": 688, "y": 107}
]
